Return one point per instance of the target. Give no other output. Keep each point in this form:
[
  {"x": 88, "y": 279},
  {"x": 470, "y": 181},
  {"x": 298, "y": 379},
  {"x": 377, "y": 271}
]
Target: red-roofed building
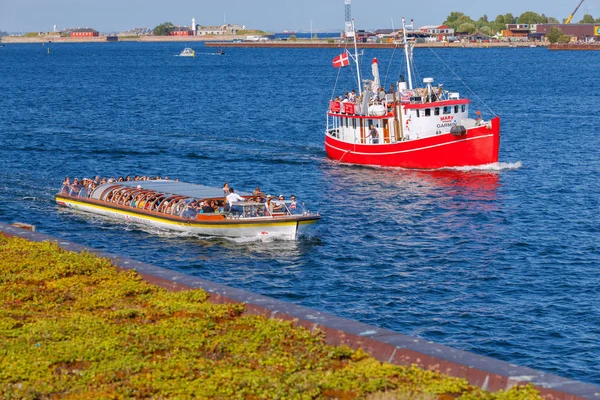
[
  {"x": 83, "y": 32},
  {"x": 441, "y": 32},
  {"x": 181, "y": 31}
]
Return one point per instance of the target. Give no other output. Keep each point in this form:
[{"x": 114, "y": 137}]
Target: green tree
[
  {"x": 163, "y": 29},
  {"x": 530, "y": 17},
  {"x": 509, "y": 18},
  {"x": 453, "y": 17},
  {"x": 500, "y": 19},
  {"x": 587, "y": 19},
  {"x": 554, "y": 35},
  {"x": 487, "y": 30},
  {"x": 552, "y": 20},
  {"x": 466, "y": 27},
  {"x": 564, "y": 39},
  {"x": 483, "y": 21}
]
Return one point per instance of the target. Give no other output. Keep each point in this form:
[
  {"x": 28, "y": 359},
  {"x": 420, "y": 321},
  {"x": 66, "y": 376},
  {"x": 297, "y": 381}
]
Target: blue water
[{"x": 501, "y": 262}]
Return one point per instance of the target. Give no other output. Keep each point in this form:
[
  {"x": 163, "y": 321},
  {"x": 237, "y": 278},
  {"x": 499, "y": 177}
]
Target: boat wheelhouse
[
  {"x": 425, "y": 127},
  {"x": 192, "y": 208}
]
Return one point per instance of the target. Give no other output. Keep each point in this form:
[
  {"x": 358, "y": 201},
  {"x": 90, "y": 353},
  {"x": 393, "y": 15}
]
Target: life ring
[{"x": 407, "y": 125}]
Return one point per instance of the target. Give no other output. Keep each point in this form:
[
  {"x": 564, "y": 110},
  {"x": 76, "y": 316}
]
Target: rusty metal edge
[{"x": 383, "y": 344}]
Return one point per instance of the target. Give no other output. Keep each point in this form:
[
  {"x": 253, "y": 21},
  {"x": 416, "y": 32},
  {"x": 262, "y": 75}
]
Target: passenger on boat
[
  {"x": 293, "y": 203},
  {"x": 373, "y": 134},
  {"x": 268, "y": 202},
  {"x": 233, "y": 197},
  {"x": 256, "y": 192},
  {"x": 207, "y": 209},
  {"x": 352, "y": 96},
  {"x": 275, "y": 205},
  {"x": 225, "y": 189}
]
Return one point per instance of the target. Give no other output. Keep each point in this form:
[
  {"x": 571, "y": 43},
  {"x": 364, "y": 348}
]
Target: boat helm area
[
  {"x": 185, "y": 207},
  {"x": 398, "y": 115}
]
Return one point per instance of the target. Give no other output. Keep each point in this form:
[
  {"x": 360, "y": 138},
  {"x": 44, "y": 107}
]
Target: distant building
[
  {"x": 517, "y": 30},
  {"x": 578, "y": 32},
  {"x": 227, "y": 29},
  {"x": 439, "y": 32},
  {"x": 136, "y": 32},
  {"x": 181, "y": 31},
  {"x": 82, "y": 32},
  {"x": 385, "y": 32}
]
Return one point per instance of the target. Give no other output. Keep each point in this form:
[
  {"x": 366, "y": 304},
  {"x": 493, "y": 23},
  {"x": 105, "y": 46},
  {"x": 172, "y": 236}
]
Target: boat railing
[{"x": 75, "y": 191}]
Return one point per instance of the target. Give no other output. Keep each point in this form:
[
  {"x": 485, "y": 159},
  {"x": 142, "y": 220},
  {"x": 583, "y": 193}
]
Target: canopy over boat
[{"x": 191, "y": 190}]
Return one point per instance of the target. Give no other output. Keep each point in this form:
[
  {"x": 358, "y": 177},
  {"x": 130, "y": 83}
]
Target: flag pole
[{"x": 356, "y": 59}]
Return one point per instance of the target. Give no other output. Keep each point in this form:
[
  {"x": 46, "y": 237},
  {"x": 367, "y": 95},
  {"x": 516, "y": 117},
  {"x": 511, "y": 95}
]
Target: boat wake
[{"x": 498, "y": 166}]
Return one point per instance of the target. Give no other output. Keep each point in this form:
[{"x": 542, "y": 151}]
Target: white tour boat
[{"x": 192, "y": 208}]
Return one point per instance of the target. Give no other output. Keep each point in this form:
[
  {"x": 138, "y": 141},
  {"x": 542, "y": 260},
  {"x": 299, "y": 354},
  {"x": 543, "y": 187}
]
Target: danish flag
[{"x": 341, "y": 60}]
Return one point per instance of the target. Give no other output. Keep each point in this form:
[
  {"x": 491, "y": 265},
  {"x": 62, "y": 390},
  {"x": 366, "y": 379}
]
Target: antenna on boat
[
  {"x": 351, "y": 32},
  {"x": 406, "y": 52}
]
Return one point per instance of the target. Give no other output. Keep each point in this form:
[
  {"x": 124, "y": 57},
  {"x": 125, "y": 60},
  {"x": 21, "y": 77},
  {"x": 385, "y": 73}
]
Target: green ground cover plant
[{"x": 73, "y": 326}]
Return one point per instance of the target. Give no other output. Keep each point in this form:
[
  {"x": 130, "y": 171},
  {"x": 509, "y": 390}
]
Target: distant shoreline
[
  {"x": 228, "y": 41},
  {"x": 103, "y": 39}
]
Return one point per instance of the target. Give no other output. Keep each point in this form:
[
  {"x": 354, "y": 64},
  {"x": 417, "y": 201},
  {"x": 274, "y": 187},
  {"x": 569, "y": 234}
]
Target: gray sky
[{"x": 274, "y": 15}]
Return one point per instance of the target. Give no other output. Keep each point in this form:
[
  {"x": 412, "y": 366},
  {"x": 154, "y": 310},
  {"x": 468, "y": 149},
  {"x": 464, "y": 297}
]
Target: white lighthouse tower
[{"x": 194, "y": 26}]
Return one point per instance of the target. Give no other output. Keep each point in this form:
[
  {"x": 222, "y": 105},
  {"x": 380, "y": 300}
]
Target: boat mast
[
  {"x": 406, "y": 53},
  {"x": 350, "y": 31}
]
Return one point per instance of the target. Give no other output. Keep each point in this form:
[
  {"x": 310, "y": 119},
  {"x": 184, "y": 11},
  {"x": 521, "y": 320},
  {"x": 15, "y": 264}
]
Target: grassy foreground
[{"x": 72, "y": 326}]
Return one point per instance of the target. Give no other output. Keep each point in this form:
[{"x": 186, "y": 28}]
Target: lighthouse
[{"x": 194, "y": 26}]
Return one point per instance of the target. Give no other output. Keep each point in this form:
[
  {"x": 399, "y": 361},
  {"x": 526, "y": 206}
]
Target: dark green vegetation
[
  {"x": 73, "y": 326},
  {"x": 163, "y": 29},
  {"x": 556, "y": 36},
  {"x": 464, "y": 24}
]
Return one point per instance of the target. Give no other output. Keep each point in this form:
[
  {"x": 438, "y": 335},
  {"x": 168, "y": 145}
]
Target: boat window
[
  {"x": 462, "y": 108},
  {"x": 418, "y": 114},
  {"x": 428, "y": 112},
  {"x": 436, "y": 111},
  {"x": 354, "y": 123},
  {"x": 456, "y": 109},
  {"x": 189, "y": 212},
  {"x": 447, "y": 110},
  {"x": 252, "y": 209}
]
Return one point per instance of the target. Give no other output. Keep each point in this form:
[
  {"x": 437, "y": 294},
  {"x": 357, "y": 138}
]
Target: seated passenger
[{"x": 207, "y": 209}]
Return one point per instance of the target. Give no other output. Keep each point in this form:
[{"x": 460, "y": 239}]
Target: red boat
[{"x": 418, "y": 128}]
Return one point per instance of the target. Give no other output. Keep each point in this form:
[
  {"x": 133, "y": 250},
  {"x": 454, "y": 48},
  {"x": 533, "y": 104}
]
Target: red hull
[{"x": 477, "y": 147}]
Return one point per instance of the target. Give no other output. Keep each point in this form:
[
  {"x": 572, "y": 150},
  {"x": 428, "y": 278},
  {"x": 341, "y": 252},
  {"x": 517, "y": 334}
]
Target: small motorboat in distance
[
  {"x": 192, "y": 208},
  {"x": 187, "y": 52},
  {"x": 220, "y": 52}
]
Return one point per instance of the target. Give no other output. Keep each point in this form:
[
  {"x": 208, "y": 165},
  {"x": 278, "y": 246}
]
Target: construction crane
[{"x": 568, "y": 21}]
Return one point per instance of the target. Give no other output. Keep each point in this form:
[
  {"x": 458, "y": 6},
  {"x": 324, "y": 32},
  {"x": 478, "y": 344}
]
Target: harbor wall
[
  {"x": 586, "y": 47},
  {"x": 228, "y": 41},
  {"x": 102, "y": 39},
  {"x": 383, "y": 344}
]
